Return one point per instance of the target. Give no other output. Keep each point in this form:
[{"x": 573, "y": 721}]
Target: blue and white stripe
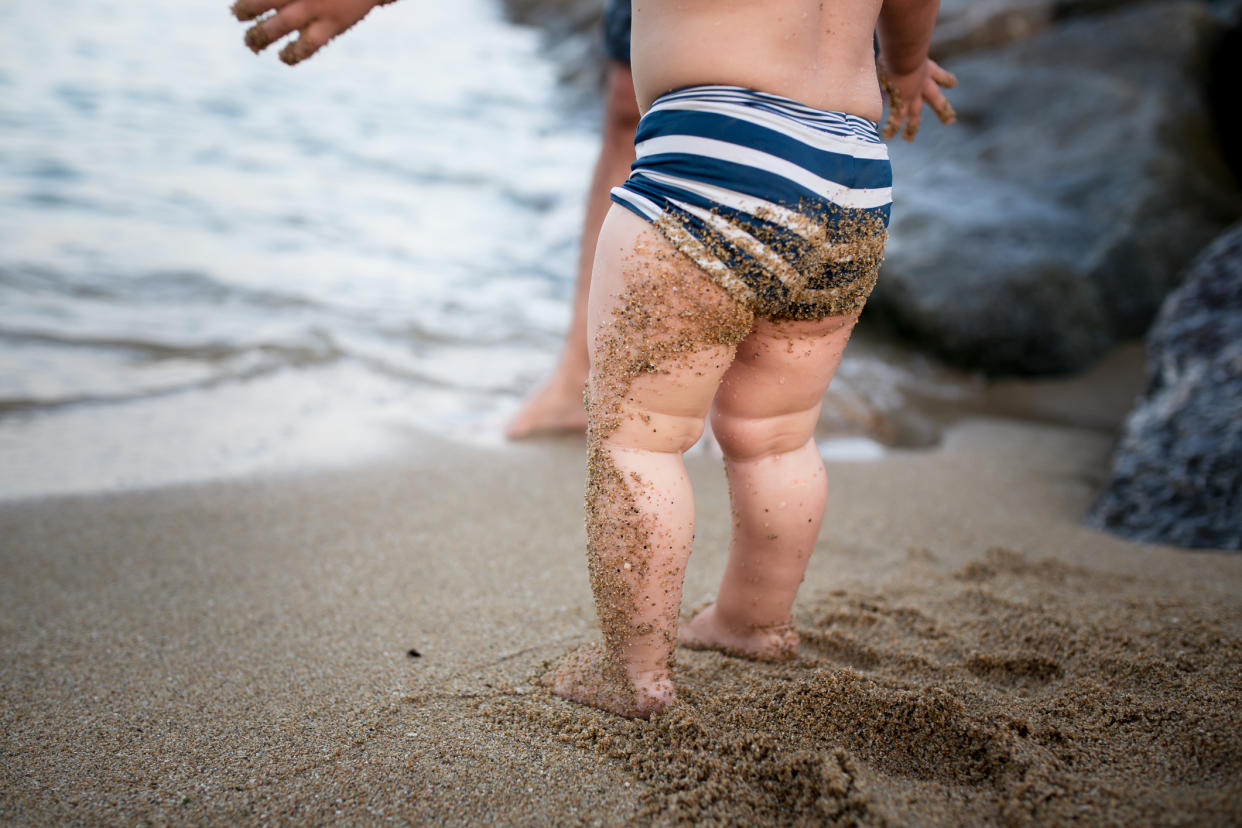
[{"x": 722, "y": 161}]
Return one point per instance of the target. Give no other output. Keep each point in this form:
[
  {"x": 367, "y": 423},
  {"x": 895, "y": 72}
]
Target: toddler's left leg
[{"x": 663, "y": 336}]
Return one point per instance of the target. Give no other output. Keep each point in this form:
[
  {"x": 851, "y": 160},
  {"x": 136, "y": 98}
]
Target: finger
[
  {"x": 940, "y": 105},
  {"x": 913, "y": 118},
  {"x": 313, "y": 38},
  {"x": 941, "y": 76},
  {"x": 250, "y": 9},
  {"x": 893, "y": 123},
  {"x": 267, "y": 31}
]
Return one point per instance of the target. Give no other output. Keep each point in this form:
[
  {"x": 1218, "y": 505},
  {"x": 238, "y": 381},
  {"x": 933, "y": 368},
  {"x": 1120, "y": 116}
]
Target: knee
[
  {"x": 751, "y": 438},
  {"x": 650, "y": 431}
]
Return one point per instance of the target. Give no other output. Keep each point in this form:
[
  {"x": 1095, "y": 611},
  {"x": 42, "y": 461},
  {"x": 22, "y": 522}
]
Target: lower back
[{"x": 818, "y": 53}]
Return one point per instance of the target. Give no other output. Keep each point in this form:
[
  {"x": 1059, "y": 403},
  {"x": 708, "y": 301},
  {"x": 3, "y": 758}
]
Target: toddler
[{"x": 727, "y": 278}]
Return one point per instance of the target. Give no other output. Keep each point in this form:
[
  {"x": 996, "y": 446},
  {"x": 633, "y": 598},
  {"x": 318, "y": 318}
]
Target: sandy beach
[{"x": 243, "y": 652}]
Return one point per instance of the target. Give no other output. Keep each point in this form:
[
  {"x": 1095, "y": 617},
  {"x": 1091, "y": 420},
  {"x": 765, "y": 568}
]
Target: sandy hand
[
  {"x": 316, "y": 21},
  {"x": 907, "y": 94}
]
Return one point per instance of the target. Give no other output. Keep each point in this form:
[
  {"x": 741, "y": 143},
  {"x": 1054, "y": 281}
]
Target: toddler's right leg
[{"x": 764, "y": 418}]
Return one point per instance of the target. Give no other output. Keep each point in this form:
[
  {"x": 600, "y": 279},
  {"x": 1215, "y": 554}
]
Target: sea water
[{"x": 211, "y": 263}]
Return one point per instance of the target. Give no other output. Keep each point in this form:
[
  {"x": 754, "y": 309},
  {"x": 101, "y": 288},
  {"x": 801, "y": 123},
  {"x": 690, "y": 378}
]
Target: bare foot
[
  {"x": 585, "y": 677},
  {"x": 555, "y": 406},
  {"x": 705, "y": 632}
]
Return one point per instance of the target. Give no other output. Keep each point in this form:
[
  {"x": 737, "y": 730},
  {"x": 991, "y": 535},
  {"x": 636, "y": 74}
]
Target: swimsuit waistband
[{"x": 839, "y": 123}]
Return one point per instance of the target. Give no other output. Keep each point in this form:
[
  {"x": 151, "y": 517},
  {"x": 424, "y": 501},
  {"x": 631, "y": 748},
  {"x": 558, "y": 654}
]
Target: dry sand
[{"x": 239, "y": 652}]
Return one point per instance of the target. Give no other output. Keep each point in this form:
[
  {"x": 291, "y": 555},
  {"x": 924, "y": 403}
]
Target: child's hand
[
  {"x": 906, "y": 94},
  {"x": 317, "y": 22}
]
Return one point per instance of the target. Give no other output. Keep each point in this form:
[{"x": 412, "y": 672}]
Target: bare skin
[
  {"x": 816, "y": 53},
  {"x": 764, "y": 416},
  {"x": 315, "y": 21}
]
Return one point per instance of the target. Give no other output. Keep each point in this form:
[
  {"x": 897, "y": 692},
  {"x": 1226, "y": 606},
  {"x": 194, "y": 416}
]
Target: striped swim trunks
[{"x": 783, "y": 205}]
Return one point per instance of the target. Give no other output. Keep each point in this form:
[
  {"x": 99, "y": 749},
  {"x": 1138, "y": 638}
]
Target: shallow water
[{"x": 202, "y": 252}]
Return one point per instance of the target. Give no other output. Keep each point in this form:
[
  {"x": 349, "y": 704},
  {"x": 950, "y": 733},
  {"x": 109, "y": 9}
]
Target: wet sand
[{"x": 240, "y": 652}]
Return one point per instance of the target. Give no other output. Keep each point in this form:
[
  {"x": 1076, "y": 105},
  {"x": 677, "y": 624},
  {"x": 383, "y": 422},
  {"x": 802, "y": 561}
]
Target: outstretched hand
[
  {"x": 316, "y": 21},
  {"x": 907, "y": 94}
]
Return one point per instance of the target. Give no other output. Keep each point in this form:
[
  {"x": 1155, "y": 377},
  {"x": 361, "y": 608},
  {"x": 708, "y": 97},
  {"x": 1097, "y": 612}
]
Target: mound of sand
[{"x": 1009, "y": 692}]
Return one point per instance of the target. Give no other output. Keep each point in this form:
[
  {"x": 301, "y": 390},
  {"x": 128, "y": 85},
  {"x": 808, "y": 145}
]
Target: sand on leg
[
  {"x": 663, "y": 337},
  {"x": 764, "y": 418}
]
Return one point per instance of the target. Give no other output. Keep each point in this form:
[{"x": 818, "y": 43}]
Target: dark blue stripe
[
  {"x": 627, "y": 205},
  {"x": 847, "y": 170},
  {"x": 739, "y": 178}
]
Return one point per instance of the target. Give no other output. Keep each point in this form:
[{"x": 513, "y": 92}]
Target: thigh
[
  {"x": 662, "y": 336},
  {"x": 776, "y": 384}
]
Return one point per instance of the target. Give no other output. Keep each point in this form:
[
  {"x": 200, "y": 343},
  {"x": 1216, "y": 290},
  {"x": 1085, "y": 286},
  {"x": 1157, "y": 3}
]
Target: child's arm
[
  {"x": 317, "y": 22},
  {"x": 909, "y": 76}
]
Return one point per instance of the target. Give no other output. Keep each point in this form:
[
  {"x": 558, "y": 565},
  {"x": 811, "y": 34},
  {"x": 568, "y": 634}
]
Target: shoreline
[{"x": 337, "y": 418}]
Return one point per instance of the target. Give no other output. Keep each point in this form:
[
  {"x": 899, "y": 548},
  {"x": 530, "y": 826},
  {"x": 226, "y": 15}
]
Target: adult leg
[
  {"x": 764, "y": 418},
  {"x": 557, "y": 404},
  {"x": 663, "y": 336}
]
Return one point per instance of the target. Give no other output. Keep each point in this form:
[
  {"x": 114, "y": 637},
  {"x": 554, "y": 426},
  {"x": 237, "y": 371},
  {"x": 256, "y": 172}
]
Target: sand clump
[
  {"x": 808, "y": 262},
  {"x": 1010, "y": 691}
]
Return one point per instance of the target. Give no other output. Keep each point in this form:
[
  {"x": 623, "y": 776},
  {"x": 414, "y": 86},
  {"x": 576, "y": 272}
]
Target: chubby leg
[
  {"x": 557, "y": 404},
  {"x": 663, "y": 336},
  {"x": 764, "y": 418}
]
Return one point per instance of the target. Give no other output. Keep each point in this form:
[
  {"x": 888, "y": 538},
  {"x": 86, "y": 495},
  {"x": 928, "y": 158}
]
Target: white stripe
[
  {"x": 862, "y": 197},
  {"x": 751, "y": 96},
  {"x": 816, "y": 138},
  {"x": 645, "y": 205}
]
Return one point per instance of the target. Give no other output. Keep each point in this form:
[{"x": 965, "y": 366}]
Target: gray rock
[
  {"x": 1052, "y": 220},
  {"x": 967, "y": 25},
  {"x": 1177, "y": 472}
]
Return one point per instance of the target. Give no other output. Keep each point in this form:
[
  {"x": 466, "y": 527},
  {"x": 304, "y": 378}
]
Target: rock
[
  {"x": 1177, "y": 472},
  {"x": 967, "y": 25},
  {"x": 1054, "y": 217}
]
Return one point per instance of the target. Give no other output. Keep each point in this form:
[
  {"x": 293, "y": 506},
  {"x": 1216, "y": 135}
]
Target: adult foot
[
  {"x": 555, "y": 406},
  {"x": 584, "y": 676},
  {"x": 705, "y": 631}
]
